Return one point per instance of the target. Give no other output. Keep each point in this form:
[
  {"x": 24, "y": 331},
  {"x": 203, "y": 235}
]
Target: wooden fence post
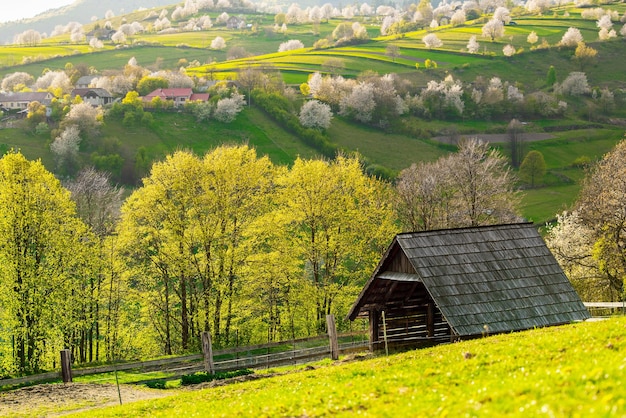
[
  {"x": 66, "y": 365},
  {"x": 332, "y": 335},
  {"x": 207, "y": 352}
]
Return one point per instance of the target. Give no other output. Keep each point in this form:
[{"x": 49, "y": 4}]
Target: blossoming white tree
[
  {"x": 96, "y": 43},
  {"x": 571, "y": 38},
  {"x": 218, "y": 43},
  {"x": 315, "y": 114},
  {"x": 432, "y": 41},
  {"x": 65, "y": 148},
  {"x": 290, "y": 45},
  {"x": 359, "y": 103},
  {"x": 493, "y": 29},
  {"x": 458, "y": 18},
  {"x": 574, "y": 85},
  {"x": 472, "y": 45},
  {"x": 228, "y": 108}
]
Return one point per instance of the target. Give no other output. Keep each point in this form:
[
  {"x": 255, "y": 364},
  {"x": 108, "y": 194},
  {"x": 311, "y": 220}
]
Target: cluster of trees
[
  {"x": 377, "y": 100},
  {"x": 227, "y": 242},
  {"x": 588, "y": 241}
]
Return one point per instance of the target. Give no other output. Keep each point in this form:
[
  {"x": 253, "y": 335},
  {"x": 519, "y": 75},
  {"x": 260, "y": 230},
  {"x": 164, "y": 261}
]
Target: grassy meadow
[
  {"x": 173, "y": 131},
  {"x": 571, "y": 370}
]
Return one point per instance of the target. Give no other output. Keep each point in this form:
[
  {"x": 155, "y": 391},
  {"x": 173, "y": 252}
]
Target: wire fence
[{"x": 293, "y": 352}]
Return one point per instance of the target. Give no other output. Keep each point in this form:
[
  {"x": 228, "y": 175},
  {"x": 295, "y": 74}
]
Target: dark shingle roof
[{"x": 503, "y": 277}]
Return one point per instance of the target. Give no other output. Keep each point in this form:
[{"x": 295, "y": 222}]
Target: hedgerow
[{"x": 278, "y": 108}]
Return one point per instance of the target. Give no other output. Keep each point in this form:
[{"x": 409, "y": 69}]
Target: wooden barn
[{"x": 442, "y": 285}]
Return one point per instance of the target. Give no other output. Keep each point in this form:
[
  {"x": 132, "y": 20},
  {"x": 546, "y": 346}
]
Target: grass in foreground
[{"x": 574, "y": 370}]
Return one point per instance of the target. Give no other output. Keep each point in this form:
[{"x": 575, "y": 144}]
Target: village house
[
  {"x": 438, "y": 286},
  {"x": 84, "y": 81},
  {"x": 21, "y": 100},
  {"x": 93, "y": 96},
  {"x": 179, "y": 96},
  {"x": 235, "y": 22}
]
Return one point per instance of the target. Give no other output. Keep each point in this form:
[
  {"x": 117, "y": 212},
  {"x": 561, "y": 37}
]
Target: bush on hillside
[{"x": 200, "y": 377}]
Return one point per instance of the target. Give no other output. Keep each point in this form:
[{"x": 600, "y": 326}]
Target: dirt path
[{"x": 53, "y": 400}]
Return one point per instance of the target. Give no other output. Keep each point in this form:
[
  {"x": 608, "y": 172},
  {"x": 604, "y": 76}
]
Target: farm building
[
  {"x": 179, "y": 96},
  {"x": 93, "y": 96},
  {"x": 442, "y": 285}
]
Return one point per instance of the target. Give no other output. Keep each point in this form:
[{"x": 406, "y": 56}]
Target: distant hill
[{"x": 79, "y": 11}]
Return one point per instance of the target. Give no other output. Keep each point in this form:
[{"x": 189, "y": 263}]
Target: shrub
[
  {"x": 582, "y": 162},
  {"x": 201, "y": 377}
]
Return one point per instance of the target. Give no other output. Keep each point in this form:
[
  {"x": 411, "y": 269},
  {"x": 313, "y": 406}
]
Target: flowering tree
[
  {"x": 537, "y": 6},
  {"x": 65, "y": 149},
  {"x": 574, "y": 85},
  {"x": 218, "y": 43},
  {"x": 228, "y": 108},
  {"x": 493, "y": 29},
  {"x": 359, "y": 103},
  {"x": 589, "y": 242},
  {"x": 315, "y": 114},
  {"x": 55, "y": 81},
  {"x": 585, "y": 55},
  {"x": 96, "y": 43},
  {"x": 118, "y": 37},
  {"x": 444, "y": 97},
  {"x": 85, "y": 117},
  {"x": 508, "y": 50},
  {"x": 290, "y": 45},
  {"x": 16, "y": 81},
  {"x": 458, "y": 18},
  {"x": 605, "y": 22},
  {"x": 571, "y": 38},
  {"x": 359, "y": 31},
  {"x": 432, "y": 41},
  {"x": 472, "y": 45},
  {"x": 29, "y": 37},
  {"x": 532, "y": 38},
  {"x": 222, "y": 18},
  {"x": 162, "y": 24},
  {"x": 605, "y": 34},
  {"x": 502, "y": 14}
]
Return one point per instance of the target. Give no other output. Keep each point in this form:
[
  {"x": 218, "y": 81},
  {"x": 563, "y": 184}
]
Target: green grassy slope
[{"x": 573, "y": 370}]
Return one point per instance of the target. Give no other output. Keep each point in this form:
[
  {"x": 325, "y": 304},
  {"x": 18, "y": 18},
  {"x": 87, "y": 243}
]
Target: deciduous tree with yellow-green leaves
[{"x": 43, "y": 260}]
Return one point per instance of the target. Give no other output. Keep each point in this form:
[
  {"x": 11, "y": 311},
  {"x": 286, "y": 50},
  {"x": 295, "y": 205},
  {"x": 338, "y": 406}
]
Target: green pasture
[
  {"x": 12, "y": 56},
  {"x": 393, "y": 151},
  {"x": 32, "y": 146},
  {"x": 116, "y": 59},
  {"x": 542, "y": 204},
  {"x": 571, "y": 370},
  {"x": 174, "y": 131},
  {"x": 561, "y": 152}
]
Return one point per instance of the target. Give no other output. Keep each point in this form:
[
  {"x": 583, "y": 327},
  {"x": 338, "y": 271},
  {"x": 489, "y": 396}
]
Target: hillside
[
  {"x": 80, "y": 11},
  {"x": 572, "y": 370},
  {"x": 583, "y": 131}
]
